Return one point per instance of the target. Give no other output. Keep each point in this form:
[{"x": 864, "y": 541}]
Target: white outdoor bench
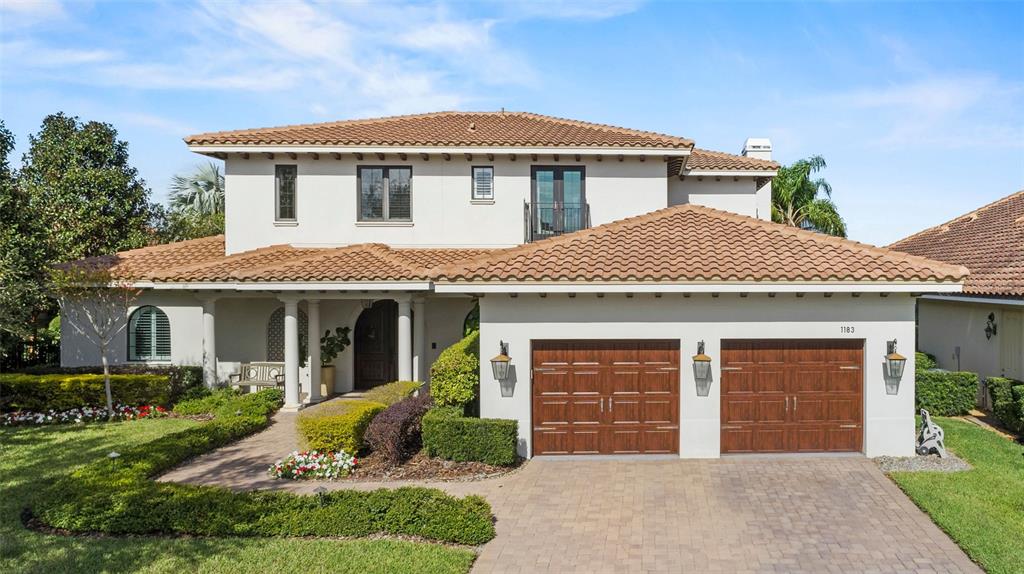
[{"x": 258, "y": 375}]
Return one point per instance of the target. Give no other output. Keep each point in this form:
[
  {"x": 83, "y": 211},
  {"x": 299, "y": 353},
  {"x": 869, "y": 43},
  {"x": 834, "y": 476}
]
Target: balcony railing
[{"x": 543, "y": 220}]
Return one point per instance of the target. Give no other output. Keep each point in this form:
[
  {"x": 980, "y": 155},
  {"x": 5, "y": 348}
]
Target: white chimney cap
[{"x": 758, "y": 148}]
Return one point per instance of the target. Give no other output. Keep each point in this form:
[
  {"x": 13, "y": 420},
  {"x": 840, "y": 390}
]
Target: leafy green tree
[
  {"x": 796, "y": 201},
  {"x": 175, "y": 225},
  {"x": 82, "y": 189},
  {"x": 23, "y": 254},
  {"x": 200, "y": 192}
]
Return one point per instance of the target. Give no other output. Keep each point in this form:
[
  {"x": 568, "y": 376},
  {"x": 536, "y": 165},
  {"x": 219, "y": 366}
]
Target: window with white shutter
[
  {"x": 149, "y": 335},
  {"x": 483, "y": 183}
]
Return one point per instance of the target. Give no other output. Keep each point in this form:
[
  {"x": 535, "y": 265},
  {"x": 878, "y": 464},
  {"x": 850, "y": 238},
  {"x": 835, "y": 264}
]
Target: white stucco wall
[
  {"x": 888, "y": 419},
  {"x": 442, "y": 212},
  {"x": 946, "y": 326},
  {"x": 738, "y": 195}
]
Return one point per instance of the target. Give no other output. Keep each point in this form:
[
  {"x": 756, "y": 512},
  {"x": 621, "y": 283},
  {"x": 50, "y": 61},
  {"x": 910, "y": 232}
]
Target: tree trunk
[{"x": 106, "y": 382}]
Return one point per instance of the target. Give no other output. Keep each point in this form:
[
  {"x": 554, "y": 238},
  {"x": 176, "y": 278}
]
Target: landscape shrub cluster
[
  {"x": 120, "y": 497},
  {"x": 946, "y": 393},
  {"x": 391, "y": 393},
  {"x": 63, "y": 392},
  {"x": 338, "y": 425},
  {"x": 1008, "y": 402},
  {"x": 455, "y": 375},
  {"x": 448, "y": 434},
  {"x": 395, "y": 434}
]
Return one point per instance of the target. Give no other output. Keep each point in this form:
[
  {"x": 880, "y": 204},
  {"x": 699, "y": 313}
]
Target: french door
[{"x": 559, "y": 200}]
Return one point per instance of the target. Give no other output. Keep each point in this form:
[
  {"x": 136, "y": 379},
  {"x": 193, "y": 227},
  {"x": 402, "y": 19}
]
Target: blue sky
[{"x": 917, "y": 107}]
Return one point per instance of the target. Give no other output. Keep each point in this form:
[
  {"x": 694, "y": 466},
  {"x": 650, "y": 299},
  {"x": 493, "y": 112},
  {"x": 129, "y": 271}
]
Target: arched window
[
  {"x": 149, "y": 335},
  {"x": 275, "y": 335}
]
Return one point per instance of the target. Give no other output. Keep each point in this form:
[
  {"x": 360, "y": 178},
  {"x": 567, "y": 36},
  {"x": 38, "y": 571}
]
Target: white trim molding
[
  {"x": 791, "y": 287},
  {"x": 1018, "y": 302}
]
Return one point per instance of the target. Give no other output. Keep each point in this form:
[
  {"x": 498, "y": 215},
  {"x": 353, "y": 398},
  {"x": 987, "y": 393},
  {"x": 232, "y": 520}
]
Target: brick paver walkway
[{"x": 733, "y": 515}]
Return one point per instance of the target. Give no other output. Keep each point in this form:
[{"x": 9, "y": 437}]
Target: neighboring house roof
[
  {"x": 455, "y": 129},
  {"x": 989, "y": 241},
  {"x": 203, "y": 260},
  {"x": 692, "y": 243},
  {"x": 702, "y": 159}
]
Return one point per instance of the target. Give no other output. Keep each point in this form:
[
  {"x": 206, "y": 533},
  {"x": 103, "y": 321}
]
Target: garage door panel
[
  {"x": 734, "y": 382},
  {"x": 792, "y": 395},
  {"x": 605, "y": 396}
]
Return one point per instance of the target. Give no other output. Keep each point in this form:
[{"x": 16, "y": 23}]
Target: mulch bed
[{"x": 423, "y": 467}]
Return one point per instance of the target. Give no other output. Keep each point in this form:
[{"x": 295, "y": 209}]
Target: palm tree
[
  {"x": 199, "y": 193},
  {"x": 795, "y": 198}
]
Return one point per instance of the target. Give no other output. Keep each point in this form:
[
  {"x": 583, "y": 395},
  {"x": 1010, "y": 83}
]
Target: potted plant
[{"x": 331, "y": 345}]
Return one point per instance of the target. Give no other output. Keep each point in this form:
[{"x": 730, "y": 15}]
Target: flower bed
[
  {"x": 81, "y": 415},
  {"x": 314, "y": 465}
]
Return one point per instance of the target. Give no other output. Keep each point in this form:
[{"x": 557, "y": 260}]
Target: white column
[
  {"x": 313, "y": 316},
  {"x": 291, "y": 353},
  {"x": 404, "y": 340},
  {"x": 209, "y": 342},
  {"x": 419, "y": 357}
]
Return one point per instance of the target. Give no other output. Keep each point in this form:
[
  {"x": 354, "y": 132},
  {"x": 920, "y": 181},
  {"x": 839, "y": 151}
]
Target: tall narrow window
[
  {"x": 149, "y": 335},
  {"x": 483, "y": 183},
  {"x": 284, "y": 191},
  {"x": 385, "y": 193}
]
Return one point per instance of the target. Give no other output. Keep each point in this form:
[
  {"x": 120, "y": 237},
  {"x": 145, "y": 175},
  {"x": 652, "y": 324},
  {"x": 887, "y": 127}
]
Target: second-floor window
[
  {"x": 385, "y": 193},
  {"x": 284, "y": 192},
  {"x": 483, "y": 183}
]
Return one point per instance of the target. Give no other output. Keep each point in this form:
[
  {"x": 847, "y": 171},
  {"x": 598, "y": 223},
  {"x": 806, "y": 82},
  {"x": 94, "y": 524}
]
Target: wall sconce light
[
  {"x": 894, "y": 365},
  {"x": 367, "y": 303},
  {"x": 990, "y": 326},
  {"x": 702, "y": 371},
  {"x": 499, "y": 364}
]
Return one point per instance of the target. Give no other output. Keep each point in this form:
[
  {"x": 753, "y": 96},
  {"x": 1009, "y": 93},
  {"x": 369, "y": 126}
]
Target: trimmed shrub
[
  {"x": 339, "y": 425},
  {"x": 924, "y": 361},
  {"x": 182, "y": 380},
  {"x": 207, "y": 404},
  {"x": 946, "y": 393},
  {"x": 120, "y": 497},
  {"x": 448, "y": 434},
  {"x": 1008, "y": 402},
  {"x": 62, "y": 392},
  {"x": 455, "y": 375},
  {"x": 395, "y": 435},
  {"x": 391, "y": 393}
]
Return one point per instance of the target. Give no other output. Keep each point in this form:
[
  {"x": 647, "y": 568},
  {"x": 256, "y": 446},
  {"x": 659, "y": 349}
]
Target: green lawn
[
  {"x": 982, "y": 509},
  {"x": 31, "y": 456}
]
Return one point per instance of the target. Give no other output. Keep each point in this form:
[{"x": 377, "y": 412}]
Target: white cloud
[
  {"x": 33, "y": 9},
  {"x": 30, "y": 53},
  {"x": 574, "y": 9},
  {"x": 155, "y": 122}
]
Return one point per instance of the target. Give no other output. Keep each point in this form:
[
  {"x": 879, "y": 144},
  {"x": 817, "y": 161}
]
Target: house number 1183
[{"x": 846, "y": 329}]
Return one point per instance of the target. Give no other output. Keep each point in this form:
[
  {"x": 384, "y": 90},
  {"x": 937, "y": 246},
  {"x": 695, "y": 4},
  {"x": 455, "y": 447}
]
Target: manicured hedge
[
  {"x": 448, "y": 434},
  {"x": 122, "y": 498},
  {"x": 339, "y": 425},
  {"x": 62, "y": 392},
  {"x": 455, "y": 375},
  {"x": 1008, "y": 402},
  {"x": 391, "y": 393},
  {"x": 395, "y": 434},
  {"x": 924, "y": 361},
  {"x": 208, "y": 403},
  {"x": 182, "y": 380},
  {"x": 946, "y": 393}
]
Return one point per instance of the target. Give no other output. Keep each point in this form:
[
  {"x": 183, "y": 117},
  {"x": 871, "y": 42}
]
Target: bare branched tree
[{"x": 96, "y": 305}]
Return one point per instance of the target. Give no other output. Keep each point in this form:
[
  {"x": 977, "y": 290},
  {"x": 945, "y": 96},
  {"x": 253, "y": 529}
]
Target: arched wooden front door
[{"x": 376, "y": 341}]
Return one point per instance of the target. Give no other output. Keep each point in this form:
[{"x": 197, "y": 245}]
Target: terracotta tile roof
[
  {"x": 717, "y": 160},
  {"x": 203, "y": 260},
  {"x": 456, "y": 129},
  {"x": 989, "y": 241},
  {"x": 694, "y": 243}
]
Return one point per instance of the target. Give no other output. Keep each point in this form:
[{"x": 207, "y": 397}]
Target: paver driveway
[{"x": 808, "y": 514}]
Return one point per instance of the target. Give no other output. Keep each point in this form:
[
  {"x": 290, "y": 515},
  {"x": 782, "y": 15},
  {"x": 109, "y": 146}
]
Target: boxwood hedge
[
  {"x": 62, "y": 392},
  {"x": 448, "y": 434},
  {"x": 339, "y": 425},
  {"x": 455, "y": 375},
  {"x": 1008, "y": 402},
  {"x": 946, "y": 393},
  {"x": 120, "y": 497}
]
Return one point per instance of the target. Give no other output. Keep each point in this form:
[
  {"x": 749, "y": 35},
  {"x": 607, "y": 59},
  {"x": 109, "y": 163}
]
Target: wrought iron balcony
[{"x": 544, "y": 220}]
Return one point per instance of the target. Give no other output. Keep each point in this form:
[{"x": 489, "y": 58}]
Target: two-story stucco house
[{"x": 603, "y": 258}]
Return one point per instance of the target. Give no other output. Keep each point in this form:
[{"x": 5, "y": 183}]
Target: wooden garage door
[
  {"x": 605, "y": 397},
  {"x": 792, "y": 395}
]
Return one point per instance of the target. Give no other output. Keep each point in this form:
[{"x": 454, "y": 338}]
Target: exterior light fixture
[
  {"x": 894, "y": 364},
  {"x": 990, "y": 326},
  {"x": 367, "y": 303},
  {"x": 702, "y": 371},
  {"x": 321, "y": 495},
  {"x": 499, "y": 364}
]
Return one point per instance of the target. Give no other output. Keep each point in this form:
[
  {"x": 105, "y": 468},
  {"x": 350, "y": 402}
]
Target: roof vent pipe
[{"x": 758, "y": 148}]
